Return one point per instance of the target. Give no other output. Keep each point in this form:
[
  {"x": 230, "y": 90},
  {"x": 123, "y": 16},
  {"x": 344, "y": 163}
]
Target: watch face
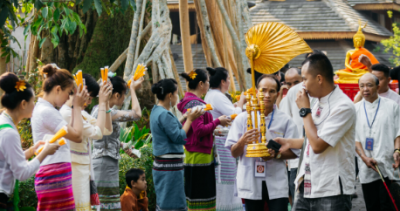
[{"x": 302, "y": 112}]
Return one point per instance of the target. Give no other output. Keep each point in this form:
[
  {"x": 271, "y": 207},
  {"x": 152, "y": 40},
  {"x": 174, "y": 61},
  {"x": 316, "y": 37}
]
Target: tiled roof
[{"x": 315, "y": 16}]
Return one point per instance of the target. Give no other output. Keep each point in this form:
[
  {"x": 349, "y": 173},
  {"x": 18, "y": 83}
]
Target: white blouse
[
  {"x": 13, "y": 164},
  {"x": 80, "y": 151},
  {"x": 385, "y": 130},
  {"x": 47, "y": 120},
  {"x": 220, "y": 103}
]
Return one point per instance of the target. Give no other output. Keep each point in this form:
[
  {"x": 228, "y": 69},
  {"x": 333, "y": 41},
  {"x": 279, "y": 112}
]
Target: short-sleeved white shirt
[
  {"x": 336, "y": 126},
  {"x": 384, "y": 131},
  {"x": 391, "y": 95},
  {"x": 249, "y": 186},
  {"x": 288, "y": 106},
  {"x": 48, "y": 120}
]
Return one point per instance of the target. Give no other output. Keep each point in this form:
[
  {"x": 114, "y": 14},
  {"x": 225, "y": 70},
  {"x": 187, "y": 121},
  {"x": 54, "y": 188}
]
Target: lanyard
[
  {"x": 272, "y": 118},
  {"x": 366, "y": 115}
]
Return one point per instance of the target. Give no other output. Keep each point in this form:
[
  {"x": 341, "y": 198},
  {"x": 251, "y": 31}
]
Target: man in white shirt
[
  {"x": 326, "y": 176},
  {"x": 377, "y": 137},
  {"x": 288, "y": 105},
  {"x": 271, "y": 184},
  {"x": 292, "y": 78},
  {"x": 382, "y": 72}
]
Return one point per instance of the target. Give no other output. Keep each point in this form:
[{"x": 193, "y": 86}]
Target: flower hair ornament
[
  {"x": 20, "y": 86},
  {"x": 192, "y": 74}
]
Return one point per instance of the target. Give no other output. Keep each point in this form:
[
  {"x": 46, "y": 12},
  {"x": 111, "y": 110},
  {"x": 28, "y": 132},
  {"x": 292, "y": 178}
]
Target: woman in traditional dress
[
  {"x": 106, "y": 150},
  {"x": 225, "y": 172},
  {"x": 18, "y": 100},
  {"x": 199, "y": 157},
  {"x": 92, "y": 129},
  {"x": 53, "y": 182},
  {"x": 168, "y": 140}
]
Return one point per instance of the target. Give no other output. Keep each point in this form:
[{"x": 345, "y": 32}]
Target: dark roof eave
[
  {"x": 339, "y": 36},
  {"x": 377, "y": 6}
]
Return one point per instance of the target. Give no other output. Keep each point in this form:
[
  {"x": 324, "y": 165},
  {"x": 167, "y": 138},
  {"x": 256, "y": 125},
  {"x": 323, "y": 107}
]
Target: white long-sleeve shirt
[
  {"x": 221, "y": 104},
  {"x": 384, "y": 131},
  {"x": 13, "y": 164}
]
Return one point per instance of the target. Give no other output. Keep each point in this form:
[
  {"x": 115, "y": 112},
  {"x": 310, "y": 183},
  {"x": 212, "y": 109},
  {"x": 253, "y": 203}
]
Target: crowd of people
[{"x": 322, "y": 133}]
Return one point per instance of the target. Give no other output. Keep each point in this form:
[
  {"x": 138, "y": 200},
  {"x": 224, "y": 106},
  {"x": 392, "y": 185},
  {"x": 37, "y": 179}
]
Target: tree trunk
[{"x": 185, "y": 35}]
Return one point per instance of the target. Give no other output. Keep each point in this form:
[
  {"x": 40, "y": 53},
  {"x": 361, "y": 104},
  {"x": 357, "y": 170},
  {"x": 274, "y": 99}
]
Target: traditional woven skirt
[
  {"x": 225, "y": 176},
  {"x": 53, "y": 185},
  {"x": 200, "y": 181},
  {"x": 107, "y": 181},
  {"x": 81, "y": 186},
  {"x": 169, "y": 184}
]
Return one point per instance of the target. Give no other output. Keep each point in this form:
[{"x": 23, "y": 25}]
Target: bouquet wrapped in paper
[
  {"x": 140, "y": 72},
  {"x": 206, "y": 107},
  {"x": 52, "y": 139}
]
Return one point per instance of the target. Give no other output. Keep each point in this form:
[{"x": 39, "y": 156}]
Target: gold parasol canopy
[{"x": 271, "y": 45}]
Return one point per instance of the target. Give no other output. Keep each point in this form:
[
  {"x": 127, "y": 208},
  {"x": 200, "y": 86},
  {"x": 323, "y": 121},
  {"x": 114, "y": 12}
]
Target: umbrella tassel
[{"x": 384, "y": 183}]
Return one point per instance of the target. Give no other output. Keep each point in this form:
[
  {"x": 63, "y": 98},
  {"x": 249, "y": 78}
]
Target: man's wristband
[{"x": 397, "y": 150}]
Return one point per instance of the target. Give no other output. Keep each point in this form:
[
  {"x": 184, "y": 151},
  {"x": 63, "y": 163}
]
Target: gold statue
[
  {"x": 354, "y": 68},
  {"x": 270, "y": 46}
]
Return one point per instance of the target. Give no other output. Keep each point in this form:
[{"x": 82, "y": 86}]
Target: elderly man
[
  {"x": 292, "y": 78},
  {"x": 377, "y": 137},
  {"x": 271, "y": 184},
  {"x": 382, "y": 72},
  {"x": 326, "y": 174}
]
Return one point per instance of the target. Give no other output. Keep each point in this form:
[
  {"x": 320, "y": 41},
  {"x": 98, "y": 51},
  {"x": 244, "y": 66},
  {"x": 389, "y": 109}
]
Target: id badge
[
  {"x": 369, "y": 144},
  {"x": 259, "y": 170}
]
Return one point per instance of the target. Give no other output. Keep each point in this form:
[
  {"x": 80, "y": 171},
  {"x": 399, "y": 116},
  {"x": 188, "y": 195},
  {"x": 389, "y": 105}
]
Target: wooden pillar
[{"x": 185, "y": 35}]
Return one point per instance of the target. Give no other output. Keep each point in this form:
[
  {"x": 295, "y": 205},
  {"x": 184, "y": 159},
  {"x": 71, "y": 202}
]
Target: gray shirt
[{"x": 110, "y": 145}]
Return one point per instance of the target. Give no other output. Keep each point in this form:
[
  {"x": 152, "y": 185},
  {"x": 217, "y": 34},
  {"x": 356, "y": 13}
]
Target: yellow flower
[
  {"x": 20, "y": 86},
  {"x": 192, "y": 75}
]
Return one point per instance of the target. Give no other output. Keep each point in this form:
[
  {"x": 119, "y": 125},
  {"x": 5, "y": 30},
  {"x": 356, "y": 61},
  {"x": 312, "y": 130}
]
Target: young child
[{"x": 134, "y": 197}]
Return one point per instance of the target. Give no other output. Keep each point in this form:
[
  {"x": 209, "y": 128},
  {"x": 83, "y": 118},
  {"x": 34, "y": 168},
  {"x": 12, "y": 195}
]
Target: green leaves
[
  {"x": 86, "y": 5},
  {"x": 45, "y": 11},
  {"x": 56, "y": 14},
  {"x": 99, "y": 8}
]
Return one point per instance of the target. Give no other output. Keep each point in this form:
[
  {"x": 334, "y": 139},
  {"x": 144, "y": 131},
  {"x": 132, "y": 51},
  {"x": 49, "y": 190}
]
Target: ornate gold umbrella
[{"x": 270, "y": 46}]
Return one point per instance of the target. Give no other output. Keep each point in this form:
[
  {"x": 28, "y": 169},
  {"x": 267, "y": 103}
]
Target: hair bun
[
  {"x": 186, "y": 76},
  {"x": 8, "y": 82},
  {"x": 48, "y": 70},
  {"x": 211, "y": 71},
  {"x": 156, "y": 88}
]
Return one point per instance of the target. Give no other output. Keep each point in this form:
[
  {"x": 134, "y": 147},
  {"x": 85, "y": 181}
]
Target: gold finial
[{"x": 359, "y": 35}]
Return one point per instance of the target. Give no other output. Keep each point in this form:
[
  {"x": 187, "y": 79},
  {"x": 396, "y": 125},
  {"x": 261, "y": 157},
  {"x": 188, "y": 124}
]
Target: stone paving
[{"x": 358, "y": 203}]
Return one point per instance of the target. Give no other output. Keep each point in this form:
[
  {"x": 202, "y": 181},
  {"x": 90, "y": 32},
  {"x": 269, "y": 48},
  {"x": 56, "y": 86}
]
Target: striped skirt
[
  {"x": 107, "y": 181},
  {"x": 53, "y": 185},
  {"x": 200, "y": 181},
  {"x": 169, "y": 184},
  {"x": 225, "y": 176}
]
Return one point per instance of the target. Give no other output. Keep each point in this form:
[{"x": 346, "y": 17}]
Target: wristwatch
[
  {"x": 304, "y": 112},
  {"x": 278, "y": 156},
  {"x": 397, "y": 150}
]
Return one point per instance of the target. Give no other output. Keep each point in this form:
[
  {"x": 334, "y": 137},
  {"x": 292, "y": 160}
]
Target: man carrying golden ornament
[{"x": 261, "y": 180}]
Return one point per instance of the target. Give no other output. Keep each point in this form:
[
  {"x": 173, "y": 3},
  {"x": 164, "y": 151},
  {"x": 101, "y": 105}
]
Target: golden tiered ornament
[{"x": 270, "y": 46}]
